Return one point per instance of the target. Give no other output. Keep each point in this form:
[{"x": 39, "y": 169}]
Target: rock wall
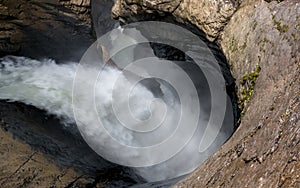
[
  {"x": 81, "y": 7},
  {"x": 42, "y": 29},
  {"x": 21, "y": 166},
  {"x": 261, "y": 42},
  {"x": 264, "y": 151},
  {"x": 101, "y": 17},
  {"x": 209, "y": 16},
  {"x": 38, "y": 29}
]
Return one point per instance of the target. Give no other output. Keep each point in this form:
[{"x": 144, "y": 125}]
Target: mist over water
[
  {"x": 153, "y": 115},
  {"x": 48, "y": 86},
  {"x": 123, "y": 120}
]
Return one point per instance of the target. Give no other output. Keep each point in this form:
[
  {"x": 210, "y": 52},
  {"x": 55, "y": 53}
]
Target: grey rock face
[
  {"x": 261, "y": 43},
  {"x": 263, "y": 152},
  {"x": 101, "y": 16},
  {"x": 209, "y": 16},
  {"x": 261, "y": 34}
]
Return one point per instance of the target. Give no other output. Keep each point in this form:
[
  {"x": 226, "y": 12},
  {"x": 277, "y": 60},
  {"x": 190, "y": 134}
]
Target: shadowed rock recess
[
  {"x": 43, "y": 28},
  {"x": 260, "y": 40}
]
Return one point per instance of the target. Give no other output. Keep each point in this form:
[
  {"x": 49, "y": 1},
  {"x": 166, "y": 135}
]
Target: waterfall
[{"x": 109, "y": 105}]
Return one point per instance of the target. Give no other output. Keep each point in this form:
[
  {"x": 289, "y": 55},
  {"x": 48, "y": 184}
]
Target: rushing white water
[
  {"x": 48, "y": 86},
  {"x": 43, "y": 84}
]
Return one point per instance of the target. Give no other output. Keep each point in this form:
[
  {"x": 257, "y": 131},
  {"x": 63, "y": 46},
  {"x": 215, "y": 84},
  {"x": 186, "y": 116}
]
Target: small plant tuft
[
  {"x": 281, "y": 28},
  {"x": 247, "y": 88}
]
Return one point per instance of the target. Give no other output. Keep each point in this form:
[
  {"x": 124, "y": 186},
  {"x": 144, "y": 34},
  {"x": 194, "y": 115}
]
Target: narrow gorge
[{"x": 43, "y": 79}]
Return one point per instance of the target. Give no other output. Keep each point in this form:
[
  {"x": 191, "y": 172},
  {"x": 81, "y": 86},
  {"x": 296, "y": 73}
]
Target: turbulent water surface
[{"x": 48, "y": 86}]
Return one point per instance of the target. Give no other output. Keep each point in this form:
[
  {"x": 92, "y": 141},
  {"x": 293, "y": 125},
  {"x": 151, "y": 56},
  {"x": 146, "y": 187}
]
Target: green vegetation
[
  {"x": 247, "y": 88},
  {"x": 255, "y": 25},
  {"x": 233, "y": 45},
  {"x": 295, "y": 37},
  {"x": 245, "y": 44},
  {"x": 281, "y": 28},
  {"x": 140, "y": 2},
  {"x": 287, "y": 112}
]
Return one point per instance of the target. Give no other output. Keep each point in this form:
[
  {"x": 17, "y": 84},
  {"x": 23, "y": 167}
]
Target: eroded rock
[
  {"x": 264, "y": 151},
  {"x": 21, "y": 166},
  {"x": 81, "y": 7},
  {"x": 209, "y": 16},
  {"x": 42, "y": 29},
  {"x": 261, "y": 43}
]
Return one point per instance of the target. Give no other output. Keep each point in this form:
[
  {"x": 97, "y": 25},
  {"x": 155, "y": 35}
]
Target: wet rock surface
[
  {"x": 23, "y": 167},
  {"x": 42, "y": 29},
  {"x": 263, "y": 152},
  {"x": 37, "y": 150},
  {"x": 101, "y": 17}
]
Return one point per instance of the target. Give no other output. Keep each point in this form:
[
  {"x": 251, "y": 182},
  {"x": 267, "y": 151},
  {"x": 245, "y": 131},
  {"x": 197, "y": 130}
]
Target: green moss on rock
[
  {"x": 281, "y": 28},
  {"x": 247, "y": 88}
]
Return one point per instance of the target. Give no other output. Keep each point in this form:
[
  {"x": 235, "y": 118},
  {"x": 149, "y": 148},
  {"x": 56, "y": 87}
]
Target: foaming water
[
  {"x": 43, "y": 84},
  {"x": 48, "y": 86}
]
